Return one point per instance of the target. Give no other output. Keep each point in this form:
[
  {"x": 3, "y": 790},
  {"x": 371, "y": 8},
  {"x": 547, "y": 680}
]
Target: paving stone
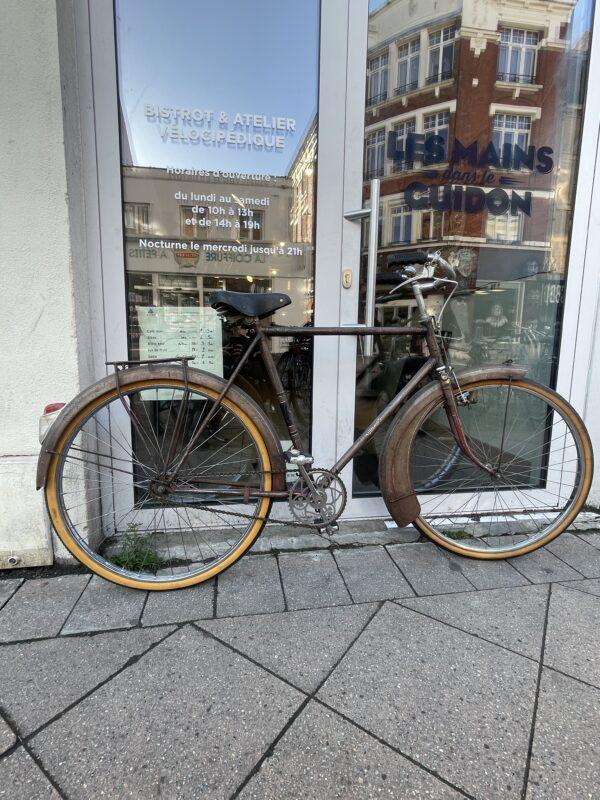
[
  {"x": 370, "y": 574},
  {"x": 181, "y": 605},
  {"x": 383, "y": 537},
  {"x": 572, "y": 635},
  {"x": 590, "y": 587},
  {"x": 189, "y": 719},
  {"x": 7, "y": 737},
  {"x": 300, "y": 646},
  {"x": 543, "y": 567},
  {"x": 252, "y": 586},
  {"x": 429, "y": 569},
  {"x": 312, "y": 580},
  {"x": 105, "y": 605},
  {"x": 281, "y": 541},
  {"x": 490, "y": 574},
  {"x": 456, "y": 704},
  {"x": 565, "y": 759},
  {"x": 590, "y": 538},
  {"x": 511, "y": 617},
  {"x": 324, "y": 756},
  {"x": 22, "y": 779},
  {"x": 40, "y": 679},
  {"x": 579, "y": 554},
  {"x": 40, "y": 607},
  {"x": 8, "y": 588}
]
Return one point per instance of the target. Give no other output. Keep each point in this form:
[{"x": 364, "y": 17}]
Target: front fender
[
  {"x": 107, "y": 385},
  {"x": 394, "y": 463}
]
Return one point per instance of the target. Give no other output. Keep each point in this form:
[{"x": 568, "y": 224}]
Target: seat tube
[{"x": 282, "y": 398}]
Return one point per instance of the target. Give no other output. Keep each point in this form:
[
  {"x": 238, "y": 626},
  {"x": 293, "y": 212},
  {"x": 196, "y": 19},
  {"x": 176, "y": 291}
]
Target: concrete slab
[
  {"x": 40, "y": 607},
  {"x": 579, "y": 554},
  {"x": 590, "y": 587},
  {"x": 456, "y": 704},
  {"x": 572, "y": 635},
  {"x": 429, "y": 569},
  {"x": 104, "y": 606},
  {"x": 20, "y": 777},
  {"x": 324, "y": 756},
  {"x": 565, "y": 759},
  {"x": 513, "y": 618},
  {"x": 300, "y": 646},
  {"x": 7, "y": 737},
  {"x": 189, "y": 719},
  {"x": 370, "y": 574},
  {"x": 383, "y": 537},
  {"x": 252, "y": 586},
  {"x": 312, "y": 580},
  {"x": 543, "y": 567},
  {"x": 8, "y": 588},
  {"x": 490, "y": 574},
  {"x": 40, "y": 679},
  {"x": 590, "y": 538},
  {"x": 182, "y": 605}
]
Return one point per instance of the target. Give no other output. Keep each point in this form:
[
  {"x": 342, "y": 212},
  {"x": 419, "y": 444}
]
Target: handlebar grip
[{"x": 389, "y": 277}]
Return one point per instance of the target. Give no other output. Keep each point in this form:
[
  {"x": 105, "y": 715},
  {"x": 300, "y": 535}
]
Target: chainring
[{"x": 319, "y": 505}]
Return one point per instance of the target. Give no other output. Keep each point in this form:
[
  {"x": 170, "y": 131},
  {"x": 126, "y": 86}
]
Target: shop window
[
  {"x": 511, "y": 129},
  {"x": 136, "y": 218},
  {"x": 441, "y": 54},
  {"x": 504, "y": 227},
  {"x": 375, "y": 154},
  {"x": 252, "y": 225},
  {"x": 401, "y": 227},
  {"x": 408, "y": 66},
  {"x": 402, "y": 129},
  {"x": 377, "y": 80},
  {"x": 193, "y": 223},
  {"x": 432, "y": 226},
  {"x": 517, "y": 55},
  {"x": 437, "y": 124}
]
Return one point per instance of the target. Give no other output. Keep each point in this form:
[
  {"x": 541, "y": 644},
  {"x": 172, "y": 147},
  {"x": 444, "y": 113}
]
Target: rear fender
[
  {"x": 107, "y": 385},
  {"x": 394, "y": 464}
]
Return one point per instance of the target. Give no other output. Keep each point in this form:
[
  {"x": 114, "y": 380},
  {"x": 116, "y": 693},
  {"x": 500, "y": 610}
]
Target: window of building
[
  {"x": 437, "y": 124},
  {"x": 136, "y": 218},
  {"x": 377, "y": 79},
  {"x": 408, "y": 66},
  {"x": 252, "y": 226},
  {"x": 193, "y": 222},
  {"x": 511, "y": 129},
  {"x": 375, "y": 154},
  {"x": 517, "y": 55},
  {"x": 504, "y": 227},
  {"x": 432, "y": 225},
  {"x": 401, "y": 217},
  {"x": 402, "y": 129},
  {"x": 441, "y": 54}
]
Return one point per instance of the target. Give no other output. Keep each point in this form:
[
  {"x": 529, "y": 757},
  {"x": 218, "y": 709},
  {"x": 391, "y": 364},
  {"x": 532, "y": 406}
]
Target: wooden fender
[
  {"x": 197, "y": 377},
  {"x": 394, "y": 463}
]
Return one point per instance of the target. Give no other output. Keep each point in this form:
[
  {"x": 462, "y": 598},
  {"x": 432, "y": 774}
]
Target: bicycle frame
[{"x": 435, "y": 363}]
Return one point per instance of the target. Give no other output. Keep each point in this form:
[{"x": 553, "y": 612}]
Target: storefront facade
[{"x": 227, "y": 147}]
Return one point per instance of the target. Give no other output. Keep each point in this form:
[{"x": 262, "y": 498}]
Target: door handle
[{"x": 356, "y": 216}]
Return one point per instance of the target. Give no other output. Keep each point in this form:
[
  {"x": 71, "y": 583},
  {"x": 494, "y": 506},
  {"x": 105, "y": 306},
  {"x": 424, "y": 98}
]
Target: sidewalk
[{"x": 387, "y": 670}]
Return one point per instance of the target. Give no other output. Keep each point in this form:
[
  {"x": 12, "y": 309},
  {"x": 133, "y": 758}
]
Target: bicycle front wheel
[
  {"x": 541, "y": 456},
  {"x": 115, "y": 507}
]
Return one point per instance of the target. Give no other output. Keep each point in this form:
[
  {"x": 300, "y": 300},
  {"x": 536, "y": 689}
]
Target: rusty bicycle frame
[{"x": 435, "y": 363}]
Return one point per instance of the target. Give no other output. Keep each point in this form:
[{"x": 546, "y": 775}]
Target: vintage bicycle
[{"x": 161, "y": 476}]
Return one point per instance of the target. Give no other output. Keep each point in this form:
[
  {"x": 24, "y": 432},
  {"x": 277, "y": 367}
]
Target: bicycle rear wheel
[
  {"x": 114, "y": 507},
  {"x": 540, "y": 451}
]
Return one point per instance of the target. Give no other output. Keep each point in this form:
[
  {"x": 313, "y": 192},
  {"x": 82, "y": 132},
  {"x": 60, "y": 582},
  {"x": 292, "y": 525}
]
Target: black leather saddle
[{"x": 248, "y": 304}]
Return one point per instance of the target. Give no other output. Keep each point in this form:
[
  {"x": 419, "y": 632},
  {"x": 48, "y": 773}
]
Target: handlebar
[{"x": 412, "y": 259}]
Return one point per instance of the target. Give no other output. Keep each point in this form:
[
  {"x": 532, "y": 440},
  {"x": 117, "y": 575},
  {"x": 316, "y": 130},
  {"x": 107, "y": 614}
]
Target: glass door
[{"x": 470, "y": 139}]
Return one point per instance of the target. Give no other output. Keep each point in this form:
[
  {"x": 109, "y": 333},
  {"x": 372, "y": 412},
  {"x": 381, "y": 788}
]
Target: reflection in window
[
  {"x": 504, "y": 227},
  {"x": 437, "y": 124},
  {"x": 377, "y": 80},
  {"x": 193, "y": 223},
  {"x": 402, "y": 129},
  {"x": 408, "y": 66},
  {"x": 511, "y": 129},
  {"x": 517, "y": 55},
  {"x": 432, "y": 225},
  {"x": 441, "y": 54},
  {"x": 252, "y": 226},
  {"x": 401, "y": 218},
  {"x": 136, "y": 218},
  {"x": 375, "y": 154}
]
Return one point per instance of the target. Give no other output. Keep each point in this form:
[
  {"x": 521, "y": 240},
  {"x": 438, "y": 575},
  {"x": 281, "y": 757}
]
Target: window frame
[
  {"x": 409, "y": 59},
  {"x": 447, "y": 39},
  {"x": 523, "y": 49},
  {"x": 379, "y": 74}
]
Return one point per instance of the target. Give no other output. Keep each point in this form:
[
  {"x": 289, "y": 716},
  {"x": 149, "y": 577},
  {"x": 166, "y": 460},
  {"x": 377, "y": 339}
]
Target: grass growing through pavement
[{"x": 138, "y": 552}]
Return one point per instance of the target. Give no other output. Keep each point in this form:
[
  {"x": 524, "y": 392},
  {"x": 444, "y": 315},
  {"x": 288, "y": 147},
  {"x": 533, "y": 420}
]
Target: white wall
[{"x": 38, "y": 351}]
